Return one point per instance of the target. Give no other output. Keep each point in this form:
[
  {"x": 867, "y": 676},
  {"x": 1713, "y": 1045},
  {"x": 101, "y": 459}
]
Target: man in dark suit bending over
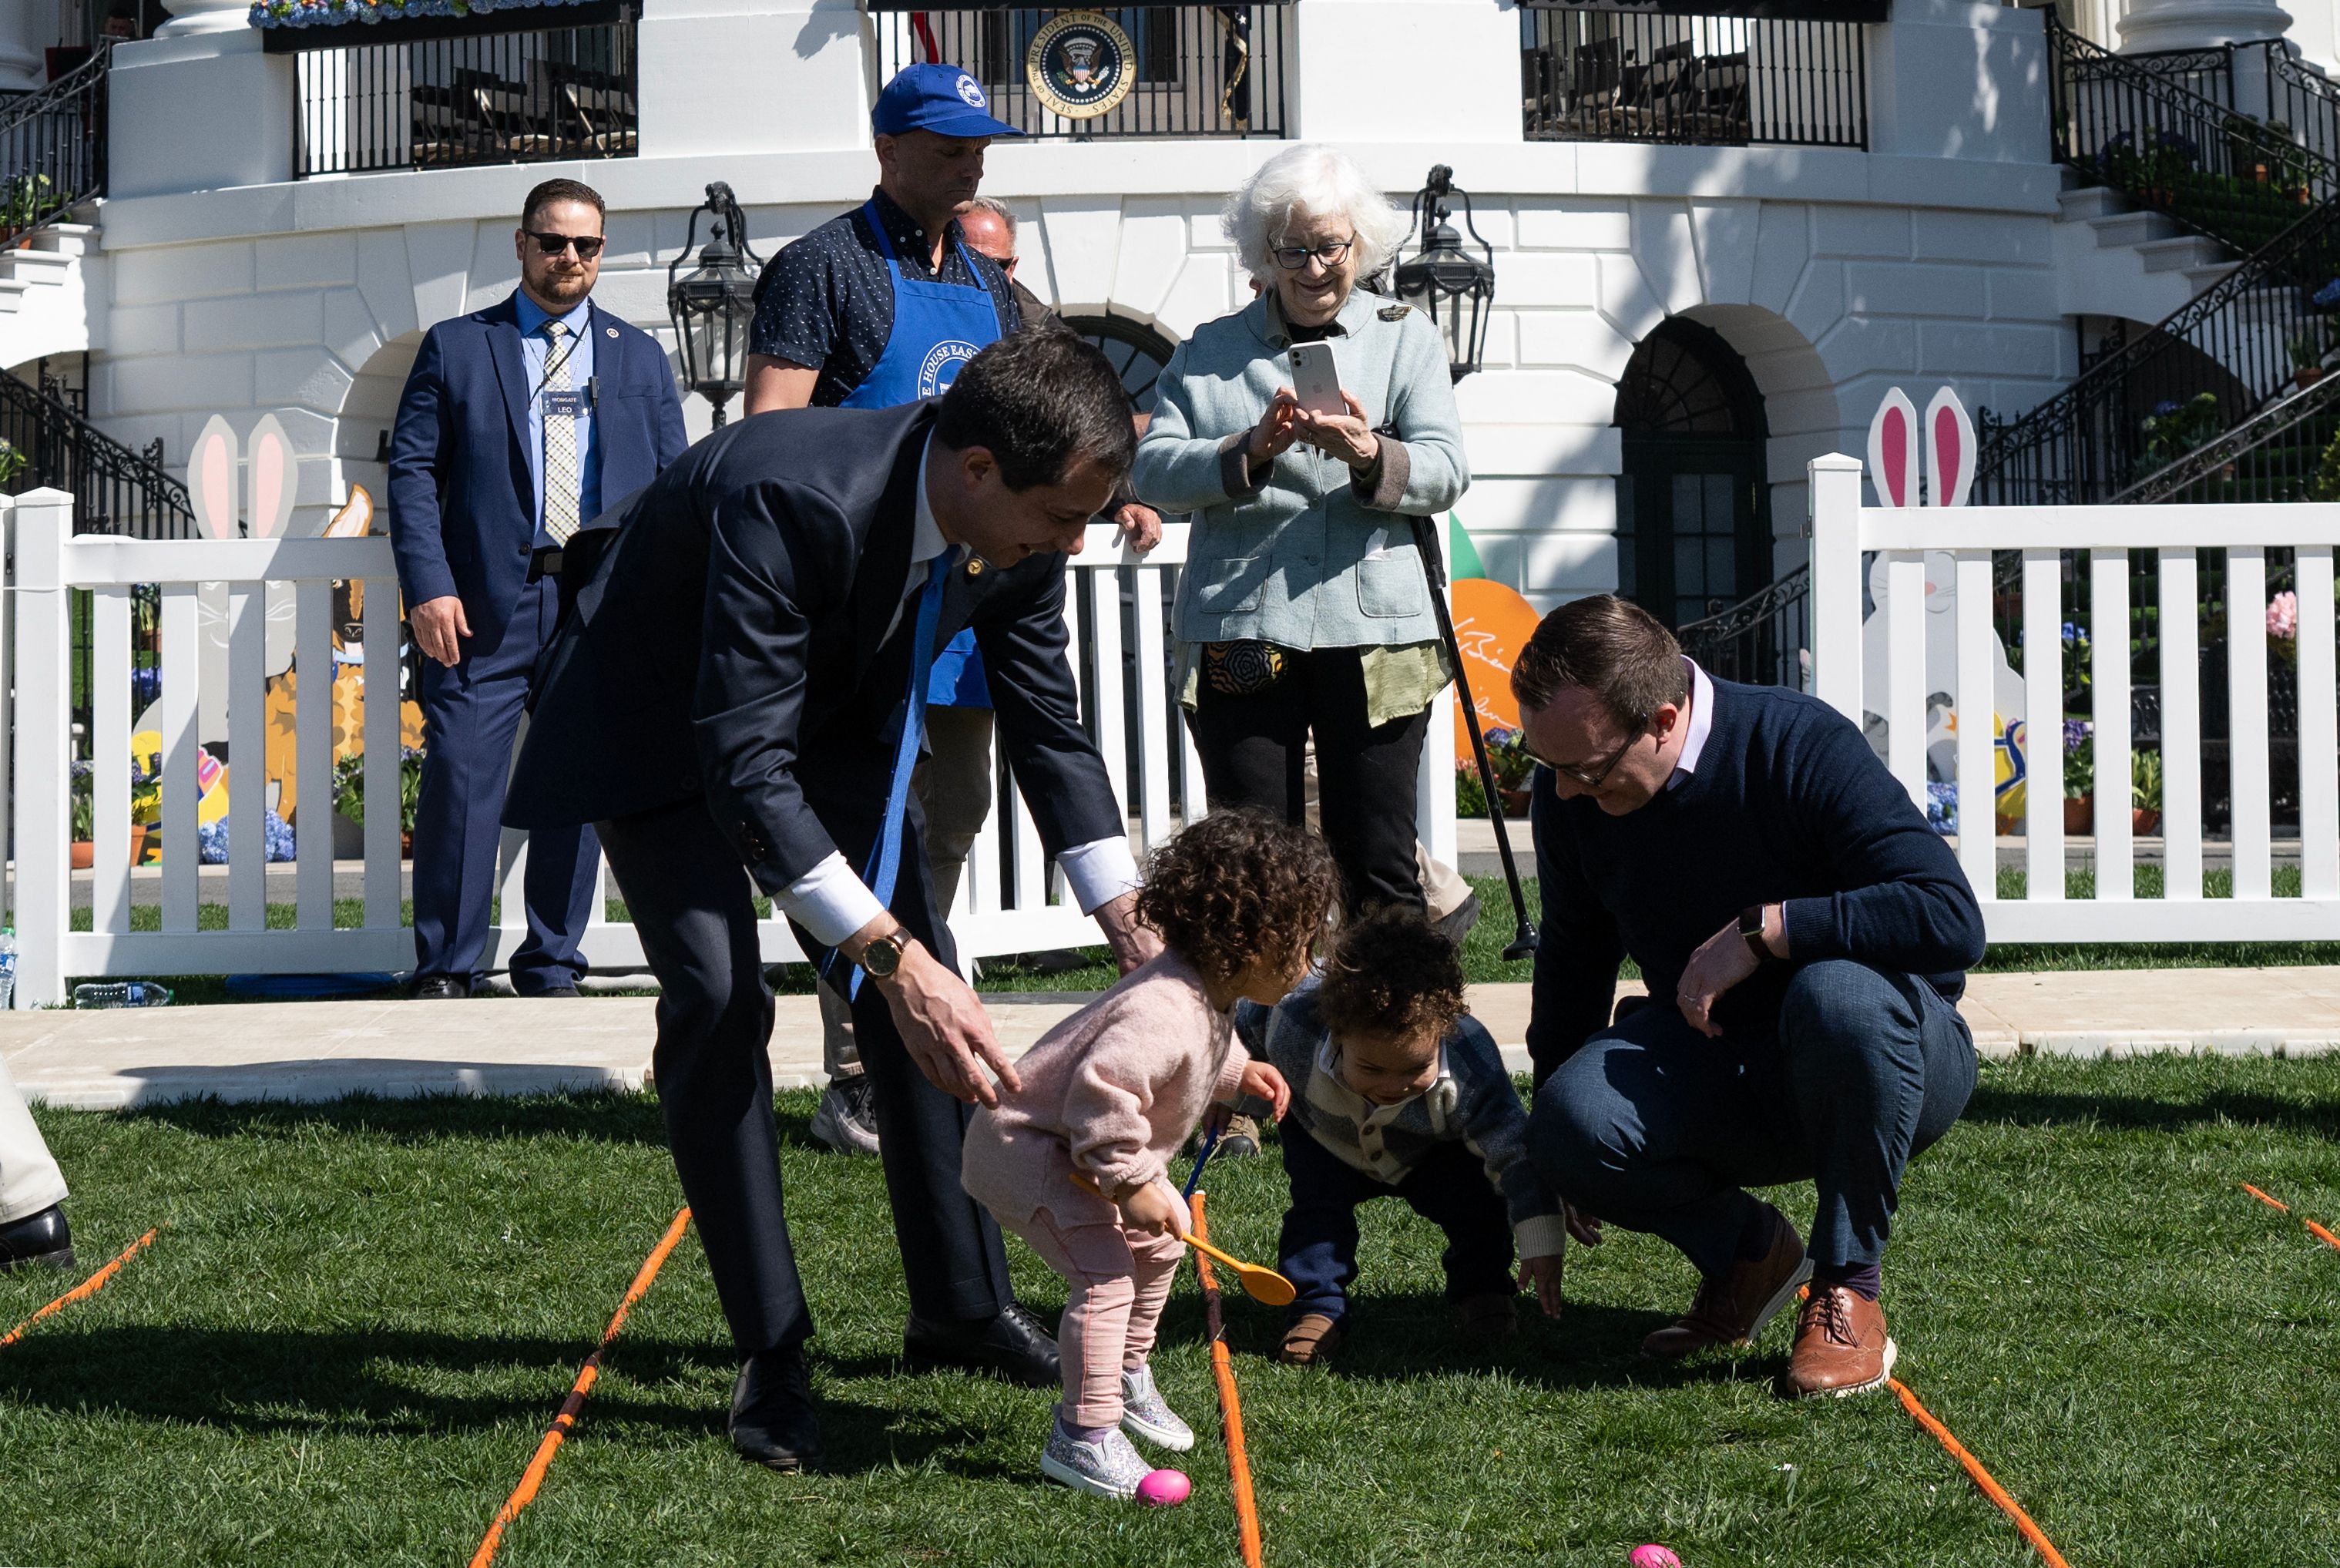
[{"x": 741, "y": 681}]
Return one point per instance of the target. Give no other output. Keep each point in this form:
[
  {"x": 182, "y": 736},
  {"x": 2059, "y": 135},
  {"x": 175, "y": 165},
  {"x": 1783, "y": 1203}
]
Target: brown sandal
[{"x": 1310, "y": 1341}]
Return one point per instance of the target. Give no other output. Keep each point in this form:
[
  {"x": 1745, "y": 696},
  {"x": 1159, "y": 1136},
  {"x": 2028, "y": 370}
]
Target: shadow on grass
[
  {"x": 593, "y": 1117},
  {"x": 2034, "y": 1108}
]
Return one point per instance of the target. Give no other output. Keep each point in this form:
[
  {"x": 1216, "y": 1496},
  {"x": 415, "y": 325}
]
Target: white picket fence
[
  {"x": 1019, "y": 909},
  {"x": 1843, "y": 529}
]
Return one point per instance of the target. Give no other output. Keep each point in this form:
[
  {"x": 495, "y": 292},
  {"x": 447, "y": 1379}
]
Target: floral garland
[{"x": 335, "y": 13}]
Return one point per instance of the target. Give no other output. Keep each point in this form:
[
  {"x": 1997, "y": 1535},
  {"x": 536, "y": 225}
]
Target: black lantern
[
  {"x": 1444, "y": 280},
  {"x": 712, "y": 305}
]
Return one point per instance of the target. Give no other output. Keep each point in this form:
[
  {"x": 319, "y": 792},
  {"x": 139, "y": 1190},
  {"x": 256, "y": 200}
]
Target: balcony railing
[
  {"x": 454, "y": 94},
  {"x": 52, "y": 148},
  {"x": 1196, "y": 69},
  {"x": 1603, "y": 75}
]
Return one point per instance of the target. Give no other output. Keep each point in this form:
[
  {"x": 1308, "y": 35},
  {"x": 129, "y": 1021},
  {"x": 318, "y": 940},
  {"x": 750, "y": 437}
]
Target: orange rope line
[
  {"x": 573, "y": 1407},
  {"x": 1223, "y": 1372},
  {"x": 87, "y": 1287},
  {"x": 1981, "y": 1477},
  {"x": 2313, "y": 1229}
]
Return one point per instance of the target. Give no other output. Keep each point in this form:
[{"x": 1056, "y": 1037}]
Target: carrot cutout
[
  {"x": 2313, "y": 1229},
  {"x": 1223, "y": 1372},
  {"x": 1981, "y": 1477},
  {"x": 573, "y": 1407},
  {"x": 87, "y": 1287}
]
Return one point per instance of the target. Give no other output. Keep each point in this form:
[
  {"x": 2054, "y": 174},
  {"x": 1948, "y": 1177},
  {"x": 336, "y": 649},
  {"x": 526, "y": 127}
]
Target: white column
[
  {"x": 2153, "y": 26},
  {"x": 25, "y": 27},
  {"x": 203, "y": 16}
]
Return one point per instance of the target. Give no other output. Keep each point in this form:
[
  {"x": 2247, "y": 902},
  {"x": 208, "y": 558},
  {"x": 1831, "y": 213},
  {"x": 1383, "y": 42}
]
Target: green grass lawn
[{"x": 362, "y": 1317}]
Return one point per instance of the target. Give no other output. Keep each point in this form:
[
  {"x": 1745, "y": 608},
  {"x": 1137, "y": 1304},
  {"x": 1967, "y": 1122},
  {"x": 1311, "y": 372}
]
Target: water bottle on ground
[
  {"x": 7, "y": 967},
  {"x": 121, "y": 994}
]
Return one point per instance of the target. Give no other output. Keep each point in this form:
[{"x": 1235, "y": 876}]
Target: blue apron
[{"x": 938, "y": 328}]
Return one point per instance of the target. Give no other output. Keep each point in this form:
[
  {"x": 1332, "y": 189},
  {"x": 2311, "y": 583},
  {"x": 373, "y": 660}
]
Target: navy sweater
[{"x": 1788, "y": 806}]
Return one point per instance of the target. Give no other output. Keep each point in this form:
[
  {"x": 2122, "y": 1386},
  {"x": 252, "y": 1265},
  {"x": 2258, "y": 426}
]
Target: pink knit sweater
[{"x": 1110, "y": 1093}]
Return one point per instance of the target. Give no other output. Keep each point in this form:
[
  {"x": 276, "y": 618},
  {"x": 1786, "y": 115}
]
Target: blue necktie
[{"x": 885, "y": 859}]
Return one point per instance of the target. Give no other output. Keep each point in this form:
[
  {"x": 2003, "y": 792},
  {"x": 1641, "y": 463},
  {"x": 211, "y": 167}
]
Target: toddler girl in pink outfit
[{"x": 1110, "y": 1095}]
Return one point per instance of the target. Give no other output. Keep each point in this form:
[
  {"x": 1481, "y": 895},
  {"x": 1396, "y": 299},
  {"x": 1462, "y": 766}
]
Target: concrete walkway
[{"x": 320, "y": 1050}]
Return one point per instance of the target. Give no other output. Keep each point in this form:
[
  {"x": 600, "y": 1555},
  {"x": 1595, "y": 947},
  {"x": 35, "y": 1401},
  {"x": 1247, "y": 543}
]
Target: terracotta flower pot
[
  {"x": 137, "y": 842},
  {"x": 1515, "y": 803},
  {"x": 2306, "y": 376},
  {"x": 84, "y": 855},
  {"x": 2145, "y": 821},
  {"x": 2080, "y": 815}
]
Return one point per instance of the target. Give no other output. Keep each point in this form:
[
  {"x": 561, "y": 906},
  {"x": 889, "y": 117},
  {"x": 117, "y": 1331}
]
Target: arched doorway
[
  {"x": 1693, "y": 507},
  {"x": 1138, "y": 351}
]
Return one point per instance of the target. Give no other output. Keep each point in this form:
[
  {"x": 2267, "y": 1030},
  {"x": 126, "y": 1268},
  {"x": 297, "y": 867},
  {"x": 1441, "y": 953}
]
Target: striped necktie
[{"x": 559, "y": 440}]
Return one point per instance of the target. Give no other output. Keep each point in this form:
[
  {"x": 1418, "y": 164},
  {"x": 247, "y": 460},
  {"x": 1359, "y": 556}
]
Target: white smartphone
[{"x": 1316, "y": 378}]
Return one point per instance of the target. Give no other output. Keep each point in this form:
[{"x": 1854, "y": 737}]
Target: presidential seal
[{"x": 1080, "y": 64}]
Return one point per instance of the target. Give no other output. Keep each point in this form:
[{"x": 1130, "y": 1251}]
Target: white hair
[
  {"x": 998, "y": 209},
  {"x": 1323, "y": 182}
]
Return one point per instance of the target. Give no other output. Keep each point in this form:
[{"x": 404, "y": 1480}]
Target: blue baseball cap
[{"x": 943, "y": 99}]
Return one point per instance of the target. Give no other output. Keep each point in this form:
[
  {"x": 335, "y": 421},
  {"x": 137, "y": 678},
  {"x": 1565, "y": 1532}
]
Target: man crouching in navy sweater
[{"x": 1805, "y": 938}]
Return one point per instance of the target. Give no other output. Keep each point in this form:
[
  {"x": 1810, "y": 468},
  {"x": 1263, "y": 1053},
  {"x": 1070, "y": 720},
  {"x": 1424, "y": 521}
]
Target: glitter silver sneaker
[
  {"x": 1146, "y": 1414},
  {"x": 1112, "y": 1468}
]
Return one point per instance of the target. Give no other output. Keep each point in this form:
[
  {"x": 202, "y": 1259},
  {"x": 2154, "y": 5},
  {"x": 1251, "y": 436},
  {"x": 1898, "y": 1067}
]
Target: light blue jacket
[{"x": 1313, "y": 556}]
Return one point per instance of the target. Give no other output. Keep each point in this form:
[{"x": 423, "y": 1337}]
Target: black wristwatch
[
  {"x": 1750, "y": 928},
  {"x": 883, "y": 955}
]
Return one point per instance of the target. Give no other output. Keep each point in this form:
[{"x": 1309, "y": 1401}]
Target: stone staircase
[
  {"x": 45, "y": 299},
  {"x": 2118, "y": 259}
]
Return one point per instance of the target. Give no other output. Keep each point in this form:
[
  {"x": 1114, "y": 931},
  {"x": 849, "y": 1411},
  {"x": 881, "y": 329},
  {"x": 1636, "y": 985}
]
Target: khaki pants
[
  {"x": 29, "y": 1179},
  {"x": 954, "y": 790}
]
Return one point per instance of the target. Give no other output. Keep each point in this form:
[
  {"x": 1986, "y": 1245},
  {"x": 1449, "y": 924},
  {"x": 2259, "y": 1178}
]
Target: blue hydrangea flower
[
  {"x": 1942, "y": 807},
  {"x": 211, "y": 840}
]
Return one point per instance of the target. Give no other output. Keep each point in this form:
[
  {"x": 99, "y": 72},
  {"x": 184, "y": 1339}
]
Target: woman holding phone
[{"x": 1301, "y": 432}]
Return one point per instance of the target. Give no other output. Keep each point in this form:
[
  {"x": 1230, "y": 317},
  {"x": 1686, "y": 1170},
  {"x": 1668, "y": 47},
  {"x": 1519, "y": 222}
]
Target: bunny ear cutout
[
  {"x": 272, "y": 478},
  {"x": 210, "y": 479},
  {"x": 355, "y": 519},
  {"x": 1893, "y": 450},
  {"x": 1950, "y": 451}
]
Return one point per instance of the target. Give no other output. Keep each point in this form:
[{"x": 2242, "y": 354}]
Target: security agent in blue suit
[
  {"x": 515, "y": 423},
  {"x": 736, "y": 701}
]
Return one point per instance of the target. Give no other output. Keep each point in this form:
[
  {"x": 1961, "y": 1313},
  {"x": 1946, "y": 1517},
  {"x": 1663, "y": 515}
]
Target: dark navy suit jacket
[
  {"x": 733, "y": 642},
  {"x": 462, "y": 506}
]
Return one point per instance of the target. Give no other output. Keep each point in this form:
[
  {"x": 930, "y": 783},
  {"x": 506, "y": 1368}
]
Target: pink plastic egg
[
  {"x": 1653, "y": 1557},
  {"x": 1164, "y": 1489}
]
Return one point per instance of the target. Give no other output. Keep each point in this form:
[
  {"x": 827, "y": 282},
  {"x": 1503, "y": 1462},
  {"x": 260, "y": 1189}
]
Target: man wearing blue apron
[{"x": 875, "y": 308}]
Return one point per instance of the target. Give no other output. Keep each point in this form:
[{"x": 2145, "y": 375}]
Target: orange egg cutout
[{"x": 1492, "y": 624}]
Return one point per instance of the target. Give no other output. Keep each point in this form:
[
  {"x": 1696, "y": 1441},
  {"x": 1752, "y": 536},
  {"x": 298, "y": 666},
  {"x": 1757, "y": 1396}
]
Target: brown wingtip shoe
[
  {"x": 1841, "y": 1346},
  {"x": 1733, "y": 1309},
  {"x": 1310, "y": 1341}
]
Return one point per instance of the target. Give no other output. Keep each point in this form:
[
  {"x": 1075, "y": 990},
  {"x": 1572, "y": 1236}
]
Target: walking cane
[{"x": 1433, "y": 567}]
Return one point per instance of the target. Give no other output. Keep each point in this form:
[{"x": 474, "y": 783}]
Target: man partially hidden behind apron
[{"x": 875, "y": 308}]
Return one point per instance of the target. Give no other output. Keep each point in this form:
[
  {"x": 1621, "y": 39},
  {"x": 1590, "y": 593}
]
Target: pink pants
[{"x": 1120, "y": 1278}]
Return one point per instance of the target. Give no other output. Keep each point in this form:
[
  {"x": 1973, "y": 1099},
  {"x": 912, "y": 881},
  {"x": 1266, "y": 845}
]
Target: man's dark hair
[
  {"x": 1392, "y": 975},
  {"x": 552, "y": 191},
  {"x": 1039, "y": 401},
  {"x": 1611, "y": 647}
]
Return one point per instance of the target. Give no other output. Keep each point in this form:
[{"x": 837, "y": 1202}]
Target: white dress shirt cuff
[
  {"x": 831, "y": 901},
  {"x": 1099, "y": 872}
]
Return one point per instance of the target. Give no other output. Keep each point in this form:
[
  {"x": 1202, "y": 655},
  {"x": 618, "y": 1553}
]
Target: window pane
[
  {"x": 1721, "y": 576},
  {"x": 1690, "y": 576},
  {"x": 1686, "y": 507},
  {"x": 1718, "y": 500}
]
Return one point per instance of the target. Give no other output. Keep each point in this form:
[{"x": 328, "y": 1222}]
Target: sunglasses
[{"x": 588, "y": 245}]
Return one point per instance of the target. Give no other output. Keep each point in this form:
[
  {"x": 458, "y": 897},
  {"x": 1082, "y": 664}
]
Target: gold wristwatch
[{"x": 883, "y": 955}]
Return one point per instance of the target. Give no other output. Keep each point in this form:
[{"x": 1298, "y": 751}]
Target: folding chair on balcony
[
  {"x": 593, "y": 108},
  {"x": 1595, "y": 80},
  {"x": 502, "y": 109},
  {"x": 1719, "y": 102}
]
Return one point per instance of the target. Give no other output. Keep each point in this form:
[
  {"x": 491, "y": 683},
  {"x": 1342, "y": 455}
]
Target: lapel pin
[
  {"x": 611, "y": 331},
  {"x": 975, "y": 566}
]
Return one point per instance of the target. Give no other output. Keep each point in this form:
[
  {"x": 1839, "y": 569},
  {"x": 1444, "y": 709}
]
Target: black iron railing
[
  {"x": 2153, "y": 130},
  {"x": 1607, "y": 76},
  {"x": 1192, "y": 70},
  {"x": 115, "y": 489},
  {"x": 1764, "y": 640},
  {"x": 468, "y": 97},
  {"x": 52, "y": 148},
  {"x": 2272, "y": 456},
  {"x": 2304, "y": 102},
  {"x": 2233, "y": 349}
]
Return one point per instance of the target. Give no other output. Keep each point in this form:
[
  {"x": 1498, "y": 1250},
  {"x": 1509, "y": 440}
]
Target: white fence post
[
  {"x": 1836, "y": 582},
  {"x": 44, "y": 520}
]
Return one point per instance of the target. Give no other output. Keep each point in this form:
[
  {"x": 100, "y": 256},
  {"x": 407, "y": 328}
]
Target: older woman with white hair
[{"x": 1304, "y": 612}]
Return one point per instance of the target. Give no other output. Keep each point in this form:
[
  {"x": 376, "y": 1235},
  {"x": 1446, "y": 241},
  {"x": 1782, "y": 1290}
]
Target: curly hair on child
[
  {"x": 1392, "y": 975},
  {"x": 1237, "y": 885}
]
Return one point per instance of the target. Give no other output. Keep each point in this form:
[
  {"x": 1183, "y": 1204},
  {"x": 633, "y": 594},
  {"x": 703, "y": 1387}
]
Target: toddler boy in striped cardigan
[{"x": 1397, "y": 1092}]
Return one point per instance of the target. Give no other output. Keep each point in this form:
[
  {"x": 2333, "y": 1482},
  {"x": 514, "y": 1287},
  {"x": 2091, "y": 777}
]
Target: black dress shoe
[
  {"x": 774, "y": 1423},
  {"x": 441, "y": 988},
  {"x": 1014, "y": 1345},
  {"x": 555, "y": 991},
  {"x": 43, "y": 1237}
]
